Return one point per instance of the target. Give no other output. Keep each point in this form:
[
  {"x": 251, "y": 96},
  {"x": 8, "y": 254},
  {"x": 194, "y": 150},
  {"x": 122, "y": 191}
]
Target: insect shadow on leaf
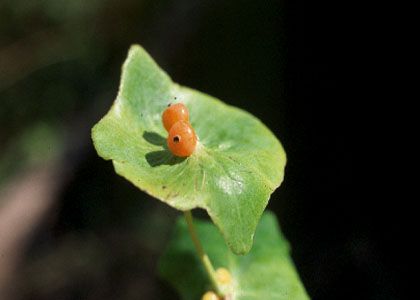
[
  {"x": 160, "y": 157},
  {"x": 154, "y": 138}
]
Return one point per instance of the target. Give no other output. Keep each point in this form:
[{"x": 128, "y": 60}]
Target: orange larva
[
  {"x": 182, "y": 139},
  {"x": 174, "y": 113}
]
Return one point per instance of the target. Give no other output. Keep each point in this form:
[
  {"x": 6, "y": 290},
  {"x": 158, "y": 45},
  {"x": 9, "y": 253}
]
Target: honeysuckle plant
[{"x": 235, "y": 167}]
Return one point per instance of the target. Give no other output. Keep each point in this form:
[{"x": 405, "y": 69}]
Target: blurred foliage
[
  {"x": 56, "y": 58},
  {"x": 36, "y": 145},
  {"x": 266, "y": 272}
]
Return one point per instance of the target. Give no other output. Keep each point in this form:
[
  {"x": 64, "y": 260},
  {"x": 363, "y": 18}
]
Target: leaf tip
[{"x": 135, "y": 48}]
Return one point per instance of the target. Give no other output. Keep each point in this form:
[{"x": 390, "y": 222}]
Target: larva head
[
  {"x": 174, "y": 113},
  {"x": 182, "y": 139}
]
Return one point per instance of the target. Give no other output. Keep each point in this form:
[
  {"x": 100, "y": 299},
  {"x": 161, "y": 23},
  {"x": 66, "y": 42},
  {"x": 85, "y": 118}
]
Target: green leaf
[
  {"x": 237, "y": 164},
  {"x": 266, "y": 272}
]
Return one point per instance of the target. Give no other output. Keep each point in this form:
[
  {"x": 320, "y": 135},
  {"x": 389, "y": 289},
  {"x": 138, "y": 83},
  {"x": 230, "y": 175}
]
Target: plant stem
[{"x": 201, "y": 254}]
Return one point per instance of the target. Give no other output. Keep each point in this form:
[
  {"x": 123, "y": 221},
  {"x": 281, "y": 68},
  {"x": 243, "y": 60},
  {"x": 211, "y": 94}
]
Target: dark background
[{"x": 293, "y": 64}]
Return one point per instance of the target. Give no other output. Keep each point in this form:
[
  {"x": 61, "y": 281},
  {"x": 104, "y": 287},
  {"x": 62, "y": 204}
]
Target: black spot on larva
[
  {"x": 176, "y": 139},
  {"x": 175, "y": 98},
  {"x": 163, "y": 187},
  {"x": 169, "y": 104}
]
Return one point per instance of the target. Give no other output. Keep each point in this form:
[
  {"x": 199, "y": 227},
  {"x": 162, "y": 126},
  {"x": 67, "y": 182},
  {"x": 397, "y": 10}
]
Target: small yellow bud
[
  {"x": 223, "y": 276},
  {"x": 210, "y": 296}
]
